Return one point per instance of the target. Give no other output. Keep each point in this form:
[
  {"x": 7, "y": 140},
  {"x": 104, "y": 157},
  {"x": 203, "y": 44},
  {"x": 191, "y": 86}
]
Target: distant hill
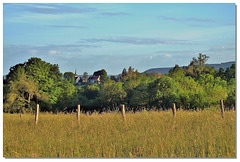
[
  {"x": 224, "y": 65},
  {"x": 158, "y": 70}
]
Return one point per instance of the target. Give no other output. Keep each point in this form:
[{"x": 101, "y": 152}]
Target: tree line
[{"x": 190, "y": 88}]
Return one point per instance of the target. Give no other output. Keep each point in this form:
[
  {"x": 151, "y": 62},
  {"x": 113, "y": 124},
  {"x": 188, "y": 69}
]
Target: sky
[{"x": 111, "y": 36}]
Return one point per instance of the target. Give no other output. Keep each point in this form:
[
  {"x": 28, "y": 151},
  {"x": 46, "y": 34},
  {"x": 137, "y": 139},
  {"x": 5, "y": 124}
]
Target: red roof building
[{"x": 94, "y": 79}]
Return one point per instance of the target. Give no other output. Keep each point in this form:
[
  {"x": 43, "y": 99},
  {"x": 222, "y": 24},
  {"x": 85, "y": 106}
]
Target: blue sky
[{"x": 93, "y": 36}]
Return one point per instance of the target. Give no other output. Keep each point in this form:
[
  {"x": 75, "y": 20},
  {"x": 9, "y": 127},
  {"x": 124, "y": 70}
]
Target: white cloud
[
  {"x": 32, "y": 51},
  {"x": 52, "y": 52},
  {"x": 221, "y": 48},
  {"x": 139, "y": 41},
  {"x": 168, "y": 55}
]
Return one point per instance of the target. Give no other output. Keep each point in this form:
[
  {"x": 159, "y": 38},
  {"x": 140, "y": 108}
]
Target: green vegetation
[
  {"x": 198, "y": 132},
  {"x": 193, "y": 87},
  {"x": 102, "y": 73},
  {"x": 36, "y": 81},
  {"x": 69, "y": 76},
  {"x": 85, "y": 76},
  {"x": 144, "y": 134}
]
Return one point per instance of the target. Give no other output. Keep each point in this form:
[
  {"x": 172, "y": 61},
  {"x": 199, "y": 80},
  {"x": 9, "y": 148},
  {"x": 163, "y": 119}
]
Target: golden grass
[{"x": 144, "y": 134}]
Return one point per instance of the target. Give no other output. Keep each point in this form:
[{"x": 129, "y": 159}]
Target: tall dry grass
[{"x": 144, "y": 134}]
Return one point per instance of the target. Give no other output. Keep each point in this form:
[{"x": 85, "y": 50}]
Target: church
[
  {"x": 91, "y": 79},
  {"x": 77, "y": 78}
]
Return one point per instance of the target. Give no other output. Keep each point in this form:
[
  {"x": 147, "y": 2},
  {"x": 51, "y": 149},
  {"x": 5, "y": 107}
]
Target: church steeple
[{"x": 76, "y": 73}]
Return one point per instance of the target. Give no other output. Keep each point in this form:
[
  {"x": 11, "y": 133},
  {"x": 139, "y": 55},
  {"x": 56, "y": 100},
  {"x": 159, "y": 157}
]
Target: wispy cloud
[
  {"x": 221, "y": 48},
  {"x": 69, "y": 60},
  {"x": 178, "y": 51},
  {"x": 45, "y": 50},
  {"x": 59, "y": 54},
  {"x": 58, "y": 9},
  {"x": 189, "y": 19},
  {"x": 115, "y": 13},
  {"x": 66, "y": 26},
  {"x": 137, "y": 41},
  {"x": 51, "y": 8}
]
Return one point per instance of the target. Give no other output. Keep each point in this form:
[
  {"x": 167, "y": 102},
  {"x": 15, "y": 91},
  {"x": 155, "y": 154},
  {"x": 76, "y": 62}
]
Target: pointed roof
[{"x": 76, "y": 73}]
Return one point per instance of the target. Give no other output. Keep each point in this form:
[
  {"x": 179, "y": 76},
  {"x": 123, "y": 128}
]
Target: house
[
  {"x": 91, "y": 79},
  {"x": 94, "y": 79}
]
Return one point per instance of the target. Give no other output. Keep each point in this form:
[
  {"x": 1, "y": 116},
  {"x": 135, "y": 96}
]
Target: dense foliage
[
  {"x": 37, "y": 81},
  {"x": 192, "y": 87}
]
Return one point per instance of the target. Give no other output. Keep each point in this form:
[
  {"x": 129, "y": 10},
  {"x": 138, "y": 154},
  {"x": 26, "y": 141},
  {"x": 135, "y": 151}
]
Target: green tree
[
  {"x": 112, "y": 94},
  {"x": 128, "y": 74},
  {"x": 221, "y": 73},
  {"x": 129, "y": 87},
  {"x": 14, "y": 73},
  {"x": 198, "y": 64},
  {"x": 67, "y": 97},
  {"x": 177, "y": 72},
  {"x": 187, "y": 89},
  {"x": 69, "y": 76},
  {"x": 121, "y": 77},
  {"x": 215, "y": 88},
  {"x": 48, "y": 81},
  {"x": 92, "y": 91},
  {"x": 85, "y": 77},
  {"x": 101, "y": 73},
  {"x": 140, "y": 97},
  {"x": 21, "y": 92},
  {"x": 230, "y": 72},
  {"x": 45, "y": 76},
  {"x": 209, "y": 70},
  {"x": 133, "y": 86},
  {"x": 112, "y": 77},
  {"x": 163, "y": 92},
  {"x": 231, "y": 99}
]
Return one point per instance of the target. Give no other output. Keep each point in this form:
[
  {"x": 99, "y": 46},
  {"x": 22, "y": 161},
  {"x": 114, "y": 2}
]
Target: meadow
[{"x": 143, "y": 134}]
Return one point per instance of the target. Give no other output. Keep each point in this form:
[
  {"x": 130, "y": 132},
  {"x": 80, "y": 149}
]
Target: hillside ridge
[{"x": 164, "y": 70}]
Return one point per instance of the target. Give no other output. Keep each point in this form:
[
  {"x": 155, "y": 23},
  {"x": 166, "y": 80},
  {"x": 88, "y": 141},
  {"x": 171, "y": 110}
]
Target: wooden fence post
[
  {"x": 123, "y": 112},
  {"x": 78, "y": 114},
  {"x": 233, "y": 108},
  {"x": 20, "y": 113},
  {"x": 36, "y": 114},
  {"x": 174, "y": 110},
  {"x": 222, "y": 108}
]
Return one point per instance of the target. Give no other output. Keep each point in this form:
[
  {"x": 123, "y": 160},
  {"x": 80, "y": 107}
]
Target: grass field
[{"x": 144, "y": 134}]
